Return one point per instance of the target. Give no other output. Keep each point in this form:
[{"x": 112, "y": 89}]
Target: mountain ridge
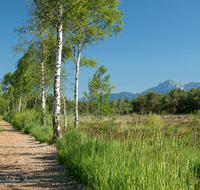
[{"x": 161, "y": 88}]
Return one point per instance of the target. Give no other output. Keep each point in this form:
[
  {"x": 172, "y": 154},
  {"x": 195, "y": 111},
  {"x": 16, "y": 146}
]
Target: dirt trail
[{"x": 28, "y": 164}]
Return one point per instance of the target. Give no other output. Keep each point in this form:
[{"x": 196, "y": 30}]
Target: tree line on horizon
[{"x": 177, "y": 101}]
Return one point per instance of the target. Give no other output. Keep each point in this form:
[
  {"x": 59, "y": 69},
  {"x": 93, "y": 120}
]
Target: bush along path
[{"x": 28, "y": 164}]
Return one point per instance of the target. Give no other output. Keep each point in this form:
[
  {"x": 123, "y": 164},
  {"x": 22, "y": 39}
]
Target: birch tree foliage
[
  {"x": 22, "y": 78},
  {"x": 68, "y": 17},
  {"x": 76, "y": 44},
  {"x": 42, "y": 40},
  {"x": 6, "y": 81},
  {"x": 6, "y": 84}
]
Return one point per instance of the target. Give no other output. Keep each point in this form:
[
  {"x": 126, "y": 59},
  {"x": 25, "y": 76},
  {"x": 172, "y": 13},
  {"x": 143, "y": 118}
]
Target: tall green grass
[
  {"x": 133, "y": 160},
  {"x": 30, "y": 123},
  {"x": 133, "y": 163},
  {"x": 41, "y": 133}
]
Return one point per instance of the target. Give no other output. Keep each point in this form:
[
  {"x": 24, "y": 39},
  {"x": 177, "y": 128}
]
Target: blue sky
[{"x": 160, "y": 41}]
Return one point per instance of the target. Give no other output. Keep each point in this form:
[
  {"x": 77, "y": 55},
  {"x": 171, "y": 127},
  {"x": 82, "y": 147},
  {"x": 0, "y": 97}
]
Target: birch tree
[
  {"x": 90, "y": 35},
  {"x": 79, "y": 62},
  {"x": 69, "y": 17},
  {"x": 41, "y": 42},
  {"x": 22, "y": 79}
]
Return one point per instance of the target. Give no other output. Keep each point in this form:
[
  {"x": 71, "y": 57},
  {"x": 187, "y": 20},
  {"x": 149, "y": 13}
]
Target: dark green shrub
[
  {"x": 18, "y": 120},
  {"x": 8, "y": 117}
]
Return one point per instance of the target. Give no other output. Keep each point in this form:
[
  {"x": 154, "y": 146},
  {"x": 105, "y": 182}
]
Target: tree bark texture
[
  {"x": 25, "y": 102},
  {"x": 76, "y": 90},
  {"x": 56, "y": 112},
  {"x": 20, "y": 98},
  {"x": 42, "y": 94}
]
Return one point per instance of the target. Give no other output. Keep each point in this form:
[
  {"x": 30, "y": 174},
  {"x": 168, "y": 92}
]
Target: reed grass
[{"x": 137, "y": 162}]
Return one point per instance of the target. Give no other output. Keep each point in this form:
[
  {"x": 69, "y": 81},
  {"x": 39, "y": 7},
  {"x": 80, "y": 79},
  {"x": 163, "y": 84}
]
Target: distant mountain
[
  {"x": 162, "y": 88},
  {"x": 169, "y": 85},
  {"x": 166, "y": 86},
  {"x": 191, "y": 85}
]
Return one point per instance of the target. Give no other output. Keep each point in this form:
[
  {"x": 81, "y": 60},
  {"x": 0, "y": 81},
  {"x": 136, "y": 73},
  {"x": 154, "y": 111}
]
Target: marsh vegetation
[{"x": 124, "y": 152}]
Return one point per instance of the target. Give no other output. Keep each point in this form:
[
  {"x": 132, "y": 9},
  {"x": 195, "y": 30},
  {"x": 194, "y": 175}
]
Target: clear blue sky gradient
[{"x": 160, "y": 41}]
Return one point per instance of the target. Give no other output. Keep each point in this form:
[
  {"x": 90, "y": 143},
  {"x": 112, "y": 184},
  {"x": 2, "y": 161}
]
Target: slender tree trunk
[
  {"x": 20, "y": 99},
  {"x": 13, "y": 106},
  {"x": 25, "y": 102},
  {"x": 56, "y": 112},
  {"x": 64, "y": 111},
  {"x": 8, "y": 107},
  {"x": 25, "y": 106},
  {"x": 76, "y": 89},
  {"x": 42, "y": 95},
  {"x": 35, "y": 102}
]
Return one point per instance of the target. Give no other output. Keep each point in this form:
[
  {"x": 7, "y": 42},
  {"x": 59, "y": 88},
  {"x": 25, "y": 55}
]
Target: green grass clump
[
  {"x": 42, "y": 133},
  {"x": 1, "y": 129},
  {"x": 19, "y": 119},
  {"x": 8, "y": 117},
  {"x": 133, "y": 163},
  {"x": 28, "y": 128},
  {"x": 152, "y": 120},
  {"x": 30, "y": 123},
  {"x": 1, "y": 118}
]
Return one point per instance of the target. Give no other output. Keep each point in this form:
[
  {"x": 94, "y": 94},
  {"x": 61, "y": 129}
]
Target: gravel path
[{"x": 28, "y": 164}]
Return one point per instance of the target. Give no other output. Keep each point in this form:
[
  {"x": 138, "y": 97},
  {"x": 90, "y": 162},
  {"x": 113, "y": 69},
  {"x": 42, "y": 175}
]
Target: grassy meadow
[{"x": 124, "y": 152}]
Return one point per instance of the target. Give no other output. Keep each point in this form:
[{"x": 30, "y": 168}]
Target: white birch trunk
[
  {"x": 25, "y": 103},
  {"x": 76, "y": 90},
  {"x": 56, "y": 111},
  {"x": 20, "y": 99},
  {"x": 64, "y": 111},
  {"x": 42, "y": 95}
]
